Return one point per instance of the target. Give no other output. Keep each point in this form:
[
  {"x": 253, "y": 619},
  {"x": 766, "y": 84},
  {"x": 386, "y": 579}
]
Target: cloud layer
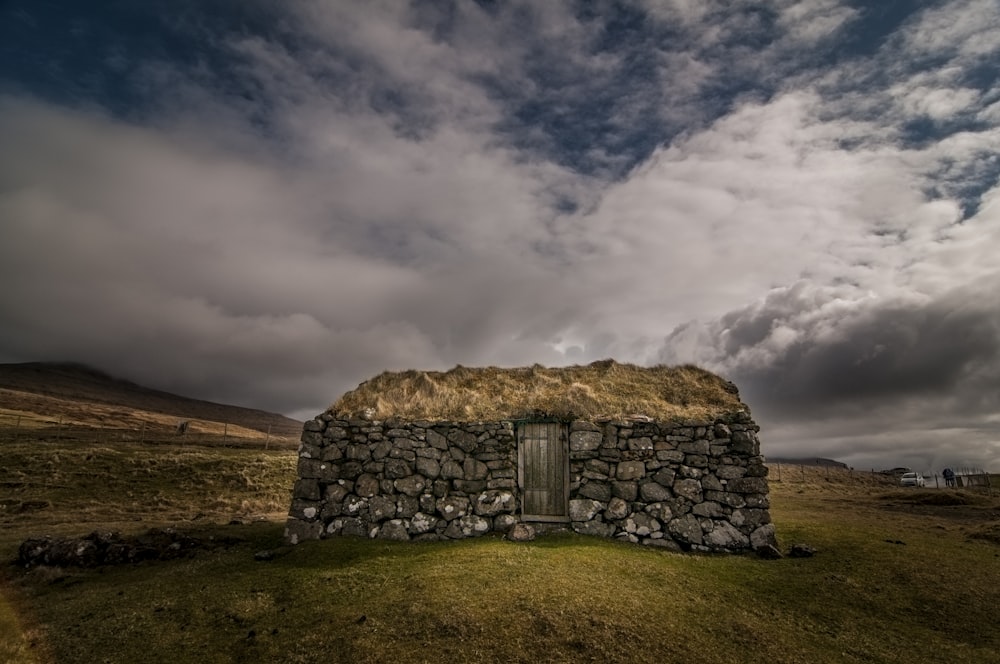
[{"x": 269, "y": 207}]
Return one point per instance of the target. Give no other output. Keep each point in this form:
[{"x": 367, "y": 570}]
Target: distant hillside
[
  {"x": 80, "y": 383},
  {"x": 807, "y": 461}
]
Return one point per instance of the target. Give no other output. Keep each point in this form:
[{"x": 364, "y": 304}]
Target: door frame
[{"x": 563, "y": 435}]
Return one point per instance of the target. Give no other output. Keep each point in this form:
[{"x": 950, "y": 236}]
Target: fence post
[
  {"x": 268, "y": 439},
  {"x": 779, "y": 471},
  {"x": 803, "y": 469},
  {"x": 142, "y": 432},
  {"x": 225, "y": 433}
]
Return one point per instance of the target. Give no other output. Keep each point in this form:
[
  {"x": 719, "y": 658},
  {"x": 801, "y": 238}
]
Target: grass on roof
[{"x": 601, "y": 390}]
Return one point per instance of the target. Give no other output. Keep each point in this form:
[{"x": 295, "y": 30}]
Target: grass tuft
[{"x": 601, "y": 390}]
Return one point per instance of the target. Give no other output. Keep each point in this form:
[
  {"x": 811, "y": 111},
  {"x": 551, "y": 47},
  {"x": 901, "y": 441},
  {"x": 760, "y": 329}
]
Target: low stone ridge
[
  {"x": 696, "y": 485},
  {"x": 98, "y": 549}
]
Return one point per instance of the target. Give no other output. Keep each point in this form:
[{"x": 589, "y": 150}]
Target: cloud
[
  {"x": 936, "y": 103},
  {"x": 807, "y": 23},
  {"x": 962, "y": 30},
  {"x": 939, "y": 64},
  {"x": 139, "y": 239},
  {"x": 835, "y": 363},
  {"x": 327, "y": 190}
]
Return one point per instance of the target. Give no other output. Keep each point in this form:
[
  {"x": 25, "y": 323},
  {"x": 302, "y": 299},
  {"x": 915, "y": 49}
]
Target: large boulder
[
  {"x": 452, "y": 507},
  {"x": 726, "y": 537},
  {"x": 686, "y": 529},
  {"x": 521, "y": 532},
  {"x": 583, "y": 509},
  {"x": 469, "y": 525},
  {"x": 422, "y": 523},
  {"x": 394, "y": 530},
  {"x": 491, "y": 503}
]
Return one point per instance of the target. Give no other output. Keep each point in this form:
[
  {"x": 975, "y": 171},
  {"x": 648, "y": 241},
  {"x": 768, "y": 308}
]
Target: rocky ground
[{"x": 108, "y": 548}]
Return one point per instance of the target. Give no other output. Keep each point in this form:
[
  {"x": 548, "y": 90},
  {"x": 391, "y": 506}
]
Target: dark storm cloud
[
  {"x": 822, "y": 365},
  {"x": 892, "y": 351}
]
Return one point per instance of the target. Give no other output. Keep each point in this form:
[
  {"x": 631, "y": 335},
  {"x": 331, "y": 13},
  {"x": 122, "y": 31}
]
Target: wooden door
[{"x": 543, "y": 471}]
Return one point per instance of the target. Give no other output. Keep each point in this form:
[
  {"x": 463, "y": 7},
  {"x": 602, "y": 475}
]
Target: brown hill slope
[{"x": 55, "y": 389}]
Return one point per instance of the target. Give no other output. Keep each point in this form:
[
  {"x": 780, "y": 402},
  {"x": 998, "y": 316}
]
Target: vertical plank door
[{"x": 544, "y": 471}]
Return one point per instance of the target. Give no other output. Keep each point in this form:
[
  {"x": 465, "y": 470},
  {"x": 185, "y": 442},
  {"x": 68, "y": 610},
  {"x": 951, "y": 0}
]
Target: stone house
[{"x": 666, "y": 457}]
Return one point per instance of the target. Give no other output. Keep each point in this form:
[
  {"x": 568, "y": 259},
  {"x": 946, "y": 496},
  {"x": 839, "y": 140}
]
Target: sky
[{"x": 267, "y": 203}]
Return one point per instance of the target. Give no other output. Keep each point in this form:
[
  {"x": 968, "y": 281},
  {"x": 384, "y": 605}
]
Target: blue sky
[{"x": 267, "y": 203}]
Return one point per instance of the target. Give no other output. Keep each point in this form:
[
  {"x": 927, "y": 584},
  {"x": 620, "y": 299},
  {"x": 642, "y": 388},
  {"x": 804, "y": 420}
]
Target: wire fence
[
  {"x": 163, "y": 430},
  {"x": 966, "y": 477}
]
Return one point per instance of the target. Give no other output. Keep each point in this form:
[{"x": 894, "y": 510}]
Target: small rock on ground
[{"x": 801, "y": 551}]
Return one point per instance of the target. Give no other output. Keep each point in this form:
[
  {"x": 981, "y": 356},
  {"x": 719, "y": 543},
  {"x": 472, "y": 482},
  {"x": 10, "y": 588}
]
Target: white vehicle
[{"x": 912, "y": 479}]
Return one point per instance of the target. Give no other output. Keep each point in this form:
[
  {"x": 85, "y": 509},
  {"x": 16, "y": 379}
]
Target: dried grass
[
  {"x": 989, "y": 532},
  {"x": 600, "y": 390}
]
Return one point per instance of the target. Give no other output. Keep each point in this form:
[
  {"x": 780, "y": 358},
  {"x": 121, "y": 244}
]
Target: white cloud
[
  {"x": 962, "y": 29},
  {"x": 685, "y": 11},
  {"x": 990, "y": 114},
  {"x": 808, "y": 22},
  {"x": 382, "y": 202},
  {"x": 936, "y": 103}
]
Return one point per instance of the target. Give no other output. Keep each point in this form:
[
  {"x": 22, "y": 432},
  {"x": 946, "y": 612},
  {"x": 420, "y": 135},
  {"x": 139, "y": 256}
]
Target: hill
[
  {"x": 91, "y": 397},
  {"x": 807, "y": 461}
]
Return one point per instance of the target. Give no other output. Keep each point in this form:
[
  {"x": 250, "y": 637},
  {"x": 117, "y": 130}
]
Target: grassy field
[{"x": 898, "y": 575}]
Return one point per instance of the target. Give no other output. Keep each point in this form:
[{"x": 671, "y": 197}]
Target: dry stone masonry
[{"x": 683, "y": 486}]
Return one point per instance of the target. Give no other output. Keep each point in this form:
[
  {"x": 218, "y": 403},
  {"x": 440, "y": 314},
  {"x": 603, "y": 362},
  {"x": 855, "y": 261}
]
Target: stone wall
[{"x": 694, "y": 486}]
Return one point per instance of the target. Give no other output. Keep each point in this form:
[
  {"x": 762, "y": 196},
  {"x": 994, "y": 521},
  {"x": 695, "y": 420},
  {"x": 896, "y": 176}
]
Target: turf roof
[{"x": 604, "y": 390}]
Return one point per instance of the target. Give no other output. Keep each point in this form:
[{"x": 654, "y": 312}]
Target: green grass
[
  {"x": 83, "y": 486},
  {"x": 563, "y": 598},
  {"x": 571, "y": 598},
  {"x": 17, "y": 644}
]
